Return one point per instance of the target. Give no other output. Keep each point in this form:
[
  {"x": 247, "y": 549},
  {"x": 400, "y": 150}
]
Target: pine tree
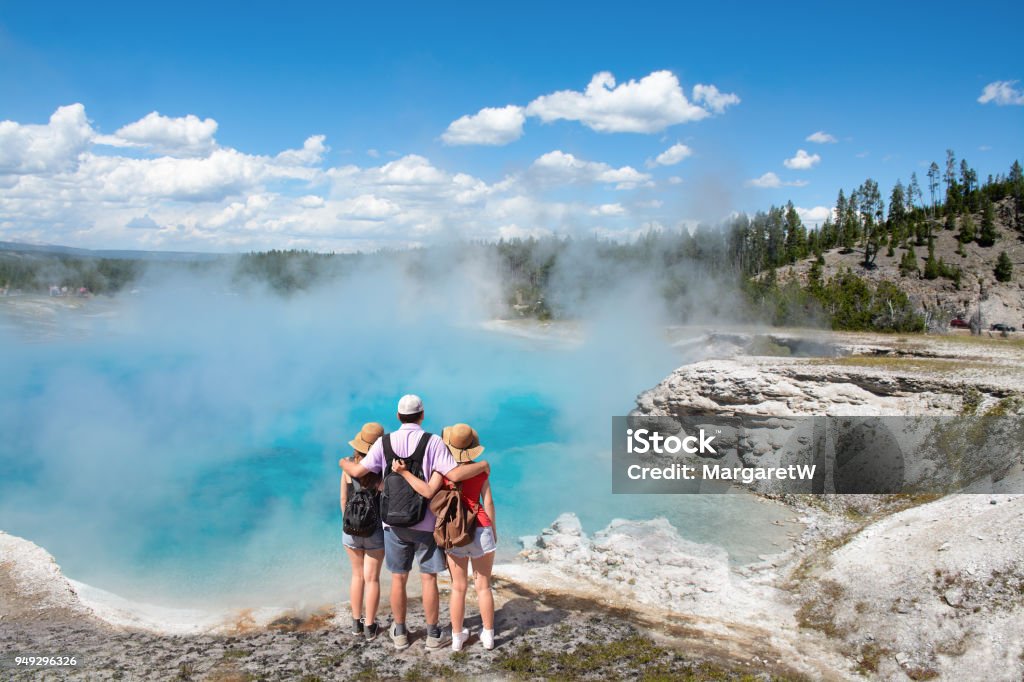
[
  {"x": 950, "y": 175},
  {"x": 872, "y": 210},
  {"x": 969, "y": 182},
  {"x": 925, "y": 225},
  {"x": 796, "y": 235},
  {"x": 933, "y": 184},
  {"x": 897, "y": 210},
  {"x": 931, "y": 266},
  {"x": 776, "y": 237},
  {"x": 1004, "y": 268},
  {"x": 814, "y": 283},
  {"x": 908, "y": 263},
  {"x": 967, "y": 230},
  {"x": 913, "y": 193},
  {"x": 987, "y": 236},
  {"x": 1016, "y": 181}
]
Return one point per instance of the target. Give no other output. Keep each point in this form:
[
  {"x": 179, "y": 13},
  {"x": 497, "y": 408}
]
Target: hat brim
[
  {"x": 359, "y": 445},
  {"x": 468, "y": 455}
]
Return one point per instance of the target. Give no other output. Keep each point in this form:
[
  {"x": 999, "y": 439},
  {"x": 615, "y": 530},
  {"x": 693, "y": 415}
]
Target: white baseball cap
[{"x": 410, "y": 404}]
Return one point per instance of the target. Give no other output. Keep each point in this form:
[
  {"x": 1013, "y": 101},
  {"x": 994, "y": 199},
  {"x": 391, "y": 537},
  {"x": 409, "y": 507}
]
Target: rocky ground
[
  {"x": 903, "y": 586},
  {"x": 541, "y": 634},
  {"x": 932, "y": 591},
  {"x": 828, "y": 373}
]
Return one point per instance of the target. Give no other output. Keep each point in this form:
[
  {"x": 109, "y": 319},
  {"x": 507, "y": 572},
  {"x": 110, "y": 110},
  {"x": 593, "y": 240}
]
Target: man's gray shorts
[{"x": 402, "y": 544}]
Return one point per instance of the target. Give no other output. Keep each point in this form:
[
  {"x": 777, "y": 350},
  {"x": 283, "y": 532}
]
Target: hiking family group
[{"x": 414, "y": 496}]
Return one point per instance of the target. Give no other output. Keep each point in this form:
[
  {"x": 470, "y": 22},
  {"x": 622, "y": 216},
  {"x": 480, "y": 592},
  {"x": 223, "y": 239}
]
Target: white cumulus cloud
[
  {"x": 222, "y": 173},
  {"x": 814, "y": 216},
  {"x": 770, "y": 180},
  {"x": 47, "y": 148},
  {"x": 561, "y": 167},
  {"x": 821, "y": 137},
  {"x": 671, "y": 156},
  {"x": 714, "y": 100},
  {"x": 489, "y": 126},
  {"x": 183, "y": 136},
  {"x": 310, "y": 201},
  {"x": 412, "y": 170},
  {"x": 649, "y": 105},
  {"x": 61, "y": 183},
  {"x": 802, "y": 161},
  {"x": 368, "y": 207},
  {"x": 312, "y": 153},
  {"x": 608, "y": 210},
  {"x": 1002, "y": 93}
]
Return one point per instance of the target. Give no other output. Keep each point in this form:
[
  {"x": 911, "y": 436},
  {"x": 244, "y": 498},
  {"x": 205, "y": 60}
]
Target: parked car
[
  {"x": 960, "y": 323},
  {"x": 1000, "y": 327}
]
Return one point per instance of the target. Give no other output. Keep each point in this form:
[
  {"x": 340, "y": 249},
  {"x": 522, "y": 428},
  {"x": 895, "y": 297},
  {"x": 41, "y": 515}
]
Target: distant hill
[
  {"x": 944, "y": 297},
  {"x": 120, "y": 254}
]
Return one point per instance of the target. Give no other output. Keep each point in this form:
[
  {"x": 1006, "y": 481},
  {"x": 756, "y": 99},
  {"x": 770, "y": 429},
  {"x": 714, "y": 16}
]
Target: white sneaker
[
  {"x": 459, "y": 638},
  {"x": 487, "y": 638}
]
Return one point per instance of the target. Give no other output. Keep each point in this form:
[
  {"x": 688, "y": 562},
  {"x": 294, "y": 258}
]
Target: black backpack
[
  {"x": 400, "y": 505},
  {"x": 361, "y": 517}
]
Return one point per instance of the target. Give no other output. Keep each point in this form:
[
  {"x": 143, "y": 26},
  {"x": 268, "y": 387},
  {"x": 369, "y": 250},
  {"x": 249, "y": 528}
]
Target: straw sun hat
[
  {"x": 366, "y": 437},
  {"x": 462, "y": 442}
]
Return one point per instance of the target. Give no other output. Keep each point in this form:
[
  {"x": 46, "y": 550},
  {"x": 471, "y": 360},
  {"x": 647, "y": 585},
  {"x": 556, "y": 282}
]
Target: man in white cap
[{"x": 402, "y": 544}]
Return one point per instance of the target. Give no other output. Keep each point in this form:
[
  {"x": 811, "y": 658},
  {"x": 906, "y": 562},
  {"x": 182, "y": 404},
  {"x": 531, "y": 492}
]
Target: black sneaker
[
  {"x": 371, "y": 631},
  {"x": 357, "y": 627}
]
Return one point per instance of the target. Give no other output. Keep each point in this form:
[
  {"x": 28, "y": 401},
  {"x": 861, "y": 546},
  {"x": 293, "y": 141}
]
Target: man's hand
[{"x": 398, "y": 465}]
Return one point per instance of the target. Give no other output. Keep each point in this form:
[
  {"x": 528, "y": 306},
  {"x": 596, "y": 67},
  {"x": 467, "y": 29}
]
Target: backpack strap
[
  {"x": 389, "y": 454},
  {"x": 413, "y": 462},
  {"x": 474, "y": 505}
]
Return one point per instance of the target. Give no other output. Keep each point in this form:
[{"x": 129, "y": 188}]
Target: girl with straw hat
[{"x": 365, "y": 554}]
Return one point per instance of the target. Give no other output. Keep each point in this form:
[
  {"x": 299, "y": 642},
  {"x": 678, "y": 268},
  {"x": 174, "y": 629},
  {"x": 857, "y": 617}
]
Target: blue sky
[{"x": 894, "y": 84}]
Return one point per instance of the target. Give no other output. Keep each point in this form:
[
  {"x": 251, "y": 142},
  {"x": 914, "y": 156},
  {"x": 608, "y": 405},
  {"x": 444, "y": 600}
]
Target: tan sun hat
[
  {"x": 366, "y": 437},
  {"x": 462, "y": 442}
]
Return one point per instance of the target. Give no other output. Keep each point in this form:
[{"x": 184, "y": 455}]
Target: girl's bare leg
[
  {"x": 355, "y": 587},
  {"x": 372, "y": 561},
  {"x": 484, "y": 597},
  {"x": 459, "y": 567}
]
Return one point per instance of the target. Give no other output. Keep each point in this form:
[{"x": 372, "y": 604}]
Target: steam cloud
[{"x": 183, "y": 442}]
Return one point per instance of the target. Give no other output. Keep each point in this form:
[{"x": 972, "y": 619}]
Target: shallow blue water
[{"x": 189, "y": 455}]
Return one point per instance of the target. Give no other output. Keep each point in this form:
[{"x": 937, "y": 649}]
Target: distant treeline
[
  {"x": 37, "y": 272},
  {"x": 729, "y": 269}
]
